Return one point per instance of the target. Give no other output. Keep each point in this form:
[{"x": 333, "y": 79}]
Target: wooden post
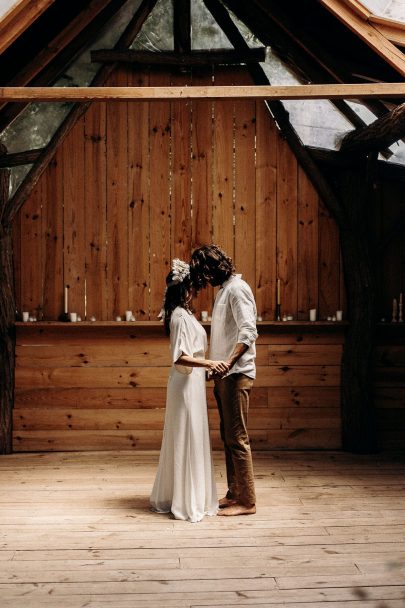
[
  {"x": 7, "y": 319},
  {"x": 359, "y": 433}
]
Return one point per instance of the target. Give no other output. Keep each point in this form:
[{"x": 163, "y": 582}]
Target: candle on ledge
[
  {"x": 278, "y": 292},
  {"x": 400, "y": 317},
  {"x": 66, "y": 300}
]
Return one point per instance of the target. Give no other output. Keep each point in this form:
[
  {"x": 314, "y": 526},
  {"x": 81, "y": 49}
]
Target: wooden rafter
[
  {"x": 369, "y": 34},
  {"x": 15, "y": 21},
  {"x": 209, "y": 57},
  {"x": 19, "y": 158},
  {"x": 26, "y": 187},
  {"x": 50, "y": 63},
  {"x": 182, "y": 26},
  {"x": 392, "y": 90}
]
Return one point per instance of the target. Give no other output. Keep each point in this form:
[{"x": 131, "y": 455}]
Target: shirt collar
[{"x": 231, "y": 278}]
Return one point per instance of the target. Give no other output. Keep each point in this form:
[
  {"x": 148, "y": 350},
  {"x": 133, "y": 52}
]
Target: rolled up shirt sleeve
[{"x": 244, "y": 312}]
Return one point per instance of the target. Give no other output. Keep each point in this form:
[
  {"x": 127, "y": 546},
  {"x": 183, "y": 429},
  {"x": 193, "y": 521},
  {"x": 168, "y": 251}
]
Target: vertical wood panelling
[
  {"x": 287, "y": 227},
  {"x": 266, "y": 211},
  {"x": 139, "y": 206},
  {"x": 201, "y": 174},
  {"x": 223, "y": 168},
  {"x": 96, "y": 211},
  {"x": 160, "y": 254},
  {"x": 329, "y": 260},
  {"x": 392, "y": 281},
  {"x": 140, "y": 183},
  {"x": 53, "y": 239},
  {"x": 74, "y": 226},
  {"x": 245, "y": 184},
  {"x": 31, "y": 252},
  {"x": 307, "y": 246},
  {"x": 16, "y": 227},
  {"x": 181, "y": 173},
  {"x": 117, "y": 202}
]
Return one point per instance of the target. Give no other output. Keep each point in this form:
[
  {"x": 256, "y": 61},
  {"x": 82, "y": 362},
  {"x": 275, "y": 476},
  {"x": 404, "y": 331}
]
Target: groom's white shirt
[{"x": 233, "y": 322}]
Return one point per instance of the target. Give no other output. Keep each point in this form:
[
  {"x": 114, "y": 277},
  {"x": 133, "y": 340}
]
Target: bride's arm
[{"x": 216, "y": 367}]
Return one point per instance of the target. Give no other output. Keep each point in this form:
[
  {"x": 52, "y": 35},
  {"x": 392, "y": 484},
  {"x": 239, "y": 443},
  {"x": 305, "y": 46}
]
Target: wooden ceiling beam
[
  {"x": 16, "y": 20},
  {"x": 15, "y": 159},
  {"x": 182, "y": 26},
  {"x": 392, "y": 90},
  {"x": 209, "y": 57}
]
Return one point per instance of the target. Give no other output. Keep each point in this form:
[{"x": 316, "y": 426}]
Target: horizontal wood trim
[
  {"x": 156, "y": 352},
  {"x": 299, "y": 375},
  {"x": 305, "y": 354},
  {"x": 27, "y": 441},
  {"x": 153, "y": 419},
  {"x": 150, "y": 398},
  {"x": 266, "y": 92}
]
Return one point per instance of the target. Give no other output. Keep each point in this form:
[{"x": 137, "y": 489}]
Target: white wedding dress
[{"x": 185, "y": 484}]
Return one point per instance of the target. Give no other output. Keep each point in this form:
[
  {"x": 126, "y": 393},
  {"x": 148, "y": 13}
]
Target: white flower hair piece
[{"x": 180, "y": 270}]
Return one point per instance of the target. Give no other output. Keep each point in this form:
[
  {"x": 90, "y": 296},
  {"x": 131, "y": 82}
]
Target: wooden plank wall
[
  {"x": 136, "y": 184},
  {"x": 83, "y": 388}
]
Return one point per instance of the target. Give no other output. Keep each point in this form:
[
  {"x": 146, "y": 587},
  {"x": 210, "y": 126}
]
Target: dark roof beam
[
  {"x": 126, "y": 39},
  {"x": 182, "y": 26},
  {"x": 51, "y": 62},
  {"x": 191, "y": 58}
]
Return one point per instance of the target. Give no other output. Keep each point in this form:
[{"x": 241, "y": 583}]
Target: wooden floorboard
[{"x": 76, "y": 531}]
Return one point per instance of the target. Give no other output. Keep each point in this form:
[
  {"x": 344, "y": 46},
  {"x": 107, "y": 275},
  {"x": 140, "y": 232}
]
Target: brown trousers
[{"x": 232, "y": 395}]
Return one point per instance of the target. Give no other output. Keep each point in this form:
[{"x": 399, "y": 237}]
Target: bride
[{"x": 185, "y": 484}]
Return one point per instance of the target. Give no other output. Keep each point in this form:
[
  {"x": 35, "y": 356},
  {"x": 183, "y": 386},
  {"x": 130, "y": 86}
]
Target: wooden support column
[
  {"x": 358, "y": 410},
  {"x": 7, "y": 318}
]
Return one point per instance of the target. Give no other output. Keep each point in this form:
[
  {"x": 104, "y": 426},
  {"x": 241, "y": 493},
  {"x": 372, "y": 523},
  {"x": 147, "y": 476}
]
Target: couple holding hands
[{"x": 185, "y": 483}]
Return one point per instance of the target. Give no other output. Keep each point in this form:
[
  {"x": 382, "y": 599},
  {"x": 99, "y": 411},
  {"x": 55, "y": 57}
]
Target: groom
[{"x": 233, "y": 335}]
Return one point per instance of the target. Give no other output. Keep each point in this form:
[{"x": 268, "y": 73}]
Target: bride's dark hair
[{"x": 177, "y": 294}]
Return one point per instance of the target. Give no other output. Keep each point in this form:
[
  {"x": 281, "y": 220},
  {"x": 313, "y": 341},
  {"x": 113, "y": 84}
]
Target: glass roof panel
[
  {"x": 317, "y": 122},
  {"x": 205, "y": 32},
  {"x": 5, "y": 6},
  {"x": 390, "y": 9}
]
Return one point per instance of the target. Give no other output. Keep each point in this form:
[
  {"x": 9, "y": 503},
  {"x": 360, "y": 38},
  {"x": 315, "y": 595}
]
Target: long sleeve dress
[{"x": 185, "y": 484}]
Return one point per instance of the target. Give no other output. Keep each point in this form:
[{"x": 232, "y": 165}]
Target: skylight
[{"x": 390, "y": 9}]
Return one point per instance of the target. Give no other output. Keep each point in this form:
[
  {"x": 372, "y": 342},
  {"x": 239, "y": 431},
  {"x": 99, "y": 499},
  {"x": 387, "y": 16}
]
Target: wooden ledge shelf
[{"x": 135, "y": 324}]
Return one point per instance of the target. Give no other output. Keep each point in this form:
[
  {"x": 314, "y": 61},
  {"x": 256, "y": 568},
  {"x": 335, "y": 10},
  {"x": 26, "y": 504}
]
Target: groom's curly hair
[{"x": 207, "y": 262}]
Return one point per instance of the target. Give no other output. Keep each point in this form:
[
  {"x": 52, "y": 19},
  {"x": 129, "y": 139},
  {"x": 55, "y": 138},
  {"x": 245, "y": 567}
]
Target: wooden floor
[{"x": 75, "y": 531}]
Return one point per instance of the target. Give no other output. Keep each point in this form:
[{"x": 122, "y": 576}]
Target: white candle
[{"x": 66, "y": 299}]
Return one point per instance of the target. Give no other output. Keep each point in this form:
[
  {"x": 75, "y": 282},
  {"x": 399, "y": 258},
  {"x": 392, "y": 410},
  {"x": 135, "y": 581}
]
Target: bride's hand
[{"x": 218, "y": 368}]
